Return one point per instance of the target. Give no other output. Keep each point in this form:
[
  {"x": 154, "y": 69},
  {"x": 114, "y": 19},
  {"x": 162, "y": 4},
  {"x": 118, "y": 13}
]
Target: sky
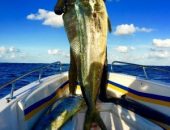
[{"x": 30, "y": 32}]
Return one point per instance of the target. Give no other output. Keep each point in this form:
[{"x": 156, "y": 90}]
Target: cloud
[
  {"x": 132, "y": 48},
  {"x": 48, "y": 18},
  {"x": 4, "y": 50},
  {"x": 143, "y": 29},
  {"x": 125, "y": 29},
  {"x": 56, "y": 52},
  {"x": 128, "y": 29},
  {"x": 124, "y": 49},
  {"x": 161, "y": 42},
  {"x": 10, "y": 52},
  {"x": 159, "y": 54}
]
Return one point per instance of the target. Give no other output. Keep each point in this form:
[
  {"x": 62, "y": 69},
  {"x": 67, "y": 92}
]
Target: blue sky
[{"x": 31, "y": 32}]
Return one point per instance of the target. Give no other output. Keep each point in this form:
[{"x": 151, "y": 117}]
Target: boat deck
[{"x": 115, "y": 118}]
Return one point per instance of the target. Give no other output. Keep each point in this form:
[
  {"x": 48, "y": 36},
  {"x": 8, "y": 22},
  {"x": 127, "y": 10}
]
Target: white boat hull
[{"x": 31, "y": 101}]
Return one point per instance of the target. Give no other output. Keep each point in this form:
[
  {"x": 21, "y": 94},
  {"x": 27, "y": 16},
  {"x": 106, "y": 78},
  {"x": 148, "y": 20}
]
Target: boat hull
[
  {"x": 32, "y": 101},
  {"x": 147, "y": 97}
]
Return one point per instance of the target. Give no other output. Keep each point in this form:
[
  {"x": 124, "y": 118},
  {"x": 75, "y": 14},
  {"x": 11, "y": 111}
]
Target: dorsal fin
[{"x": 109, "y": 25}]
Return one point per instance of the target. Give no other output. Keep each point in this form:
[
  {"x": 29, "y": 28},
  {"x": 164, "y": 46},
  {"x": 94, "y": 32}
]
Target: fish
[
  {"x": 59, "y": 113},
  {"x": 86, "y": 24}
]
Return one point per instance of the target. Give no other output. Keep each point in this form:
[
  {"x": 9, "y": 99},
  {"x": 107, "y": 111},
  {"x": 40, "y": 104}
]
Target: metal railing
[
  {"x": 144, "y": 67},
  {"x": 40, "y": 70}
]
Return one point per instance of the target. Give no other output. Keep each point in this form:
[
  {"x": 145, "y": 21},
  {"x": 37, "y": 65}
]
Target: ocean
[{"x": 10, "y": 71}]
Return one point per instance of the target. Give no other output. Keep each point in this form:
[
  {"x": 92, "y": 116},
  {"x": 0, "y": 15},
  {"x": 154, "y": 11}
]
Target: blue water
[{"x": 10, "y": 71}]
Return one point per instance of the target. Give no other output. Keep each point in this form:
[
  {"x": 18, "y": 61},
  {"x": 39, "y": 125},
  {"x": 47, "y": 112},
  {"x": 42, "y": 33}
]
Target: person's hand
[
  {"x": 59, "y": 7},
  {"x": 58, "y": 11}
]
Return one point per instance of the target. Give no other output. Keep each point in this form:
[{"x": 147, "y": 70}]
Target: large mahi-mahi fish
[
  {"x": 59, "y": 113},
  {"x": 86, "y": 24}
]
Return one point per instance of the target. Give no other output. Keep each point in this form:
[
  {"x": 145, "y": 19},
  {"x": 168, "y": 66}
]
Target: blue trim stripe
[
  {"x": 153, "y": 96},
  {"x": 41, "y": 102}
]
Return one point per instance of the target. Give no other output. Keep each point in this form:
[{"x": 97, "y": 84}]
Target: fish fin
[
  {"x": 88, "y": 121},
  {"x": 92, "y": 117},
  {"x": 109, "y": 25},
  {"x": 99, "y": 121}
]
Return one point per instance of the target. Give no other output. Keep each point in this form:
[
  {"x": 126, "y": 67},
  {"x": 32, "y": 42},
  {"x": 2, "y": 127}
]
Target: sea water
[{"x": 10, "y": 71}]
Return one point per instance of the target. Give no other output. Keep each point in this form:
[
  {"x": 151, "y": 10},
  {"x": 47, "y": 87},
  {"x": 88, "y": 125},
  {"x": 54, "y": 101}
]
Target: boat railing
[
  {"x": 144, "y": 67},
  {"x": 39, "y": 70}
]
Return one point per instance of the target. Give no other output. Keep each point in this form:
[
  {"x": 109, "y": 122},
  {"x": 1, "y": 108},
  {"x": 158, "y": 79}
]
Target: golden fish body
[
  {"x": 86, "y": 24},
  {"x": 59, "y": 113}
]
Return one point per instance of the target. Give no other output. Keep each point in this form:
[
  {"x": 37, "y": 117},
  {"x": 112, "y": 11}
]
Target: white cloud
[
  {"x": 66, "y": 55},
  {"x": 53, "y": 52},
  {"x": 161, "y": 42},
  {"x": 13, "y": 56},
  {"x": 125, "y": 29},
  {"x": 3, "y": 50},
  {"x": 124, "y": 49},
  {"x": 56, "y": 52},
  {"x": 143, "y": 29},
  {"x": 7, "y": 53},
  {"x": 13, "y": 50},
  {"x": 160, "y": 54},
  {"x": 128, "y": 29},
  {"x": 132, "y": 48},
  {"x": 48, "y": 17}
]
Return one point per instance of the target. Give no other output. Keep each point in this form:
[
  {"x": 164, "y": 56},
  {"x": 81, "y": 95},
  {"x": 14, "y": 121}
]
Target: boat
[
  {"x": 148, "y": 98},
  {"x": 132, "y": 102}
]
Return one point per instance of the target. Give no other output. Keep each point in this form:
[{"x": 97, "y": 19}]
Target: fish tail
[
  {"x": 88, "y": 122},
  {"x": 92, "y": 117},
  {"x": 99, "y": 121}
]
